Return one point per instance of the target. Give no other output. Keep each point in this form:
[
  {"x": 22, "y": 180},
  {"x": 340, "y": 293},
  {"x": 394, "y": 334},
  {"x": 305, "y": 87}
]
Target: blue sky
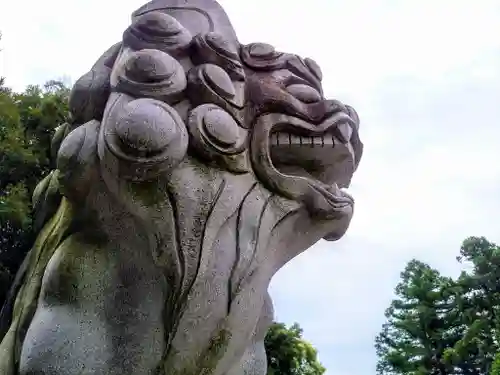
[{"x": 425, "y": 79}]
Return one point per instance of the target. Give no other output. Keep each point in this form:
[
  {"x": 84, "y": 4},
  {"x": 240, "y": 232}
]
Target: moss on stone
[
  {"x": 45, "y": 245},
  {"x": 149, "y": 193},
  {"x": 215, "y": 351},
  {"x": 208, "y": 360}
]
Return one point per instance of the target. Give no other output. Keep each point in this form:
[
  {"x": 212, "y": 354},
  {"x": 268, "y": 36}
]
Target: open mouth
[
  {"x": 327, "y": 158},
  {"x": 305, "y": 162}
]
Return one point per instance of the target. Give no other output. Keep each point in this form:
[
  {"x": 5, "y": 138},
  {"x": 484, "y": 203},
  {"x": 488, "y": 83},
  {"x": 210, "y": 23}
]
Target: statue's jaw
[{"x": 305, "y": 162}]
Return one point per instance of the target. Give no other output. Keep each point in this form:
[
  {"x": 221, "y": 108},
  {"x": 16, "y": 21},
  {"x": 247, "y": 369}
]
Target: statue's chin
[
  {"x": 338, "y": 227},
  {"x": 330, "y": 206},
  {"x": 323, "y": 201}
]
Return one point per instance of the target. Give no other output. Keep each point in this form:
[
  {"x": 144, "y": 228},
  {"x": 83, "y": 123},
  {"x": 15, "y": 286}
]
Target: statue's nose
[
  {"x": 320, "y": 111},
  {"x": 334, "y": 106}
]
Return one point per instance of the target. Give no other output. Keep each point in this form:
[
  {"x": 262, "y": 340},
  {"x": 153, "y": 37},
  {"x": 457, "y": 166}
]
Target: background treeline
[
  {"x": 439, "y": 325},
  {"x": 27, "y": 123}
]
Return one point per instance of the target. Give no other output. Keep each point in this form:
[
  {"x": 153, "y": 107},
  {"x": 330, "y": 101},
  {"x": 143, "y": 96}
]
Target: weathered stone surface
[{"x": 194, "y": 169}]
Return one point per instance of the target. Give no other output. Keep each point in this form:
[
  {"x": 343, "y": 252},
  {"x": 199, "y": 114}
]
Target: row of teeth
[{"x": 286, "y": 139}]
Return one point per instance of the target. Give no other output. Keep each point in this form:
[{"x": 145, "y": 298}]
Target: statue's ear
[
  {"x": 76, "y": 161},
  {"x": 46, "y": 200},
  {"x": 91, "y": 91}
]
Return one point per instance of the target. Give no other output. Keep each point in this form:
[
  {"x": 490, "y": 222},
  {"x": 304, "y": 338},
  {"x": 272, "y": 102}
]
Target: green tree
[
  {"x": 495, "y": 368},
  {"x": 417, "y": 333},
  {"x": 480, "y": 307},
  {"x": 442, "y": 326},
  {"x": 289, "y": 354},
  {"x": 27, "y": 123}
]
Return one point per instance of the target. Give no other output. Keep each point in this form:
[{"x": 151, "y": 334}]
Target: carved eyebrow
[
  {"x": 301, "y": 70},
  {"x": 296, "y": 79}
]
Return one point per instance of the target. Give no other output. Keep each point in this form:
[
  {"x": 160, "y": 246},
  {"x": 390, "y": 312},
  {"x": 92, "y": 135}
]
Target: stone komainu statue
[{"x": 194, "y": 167}]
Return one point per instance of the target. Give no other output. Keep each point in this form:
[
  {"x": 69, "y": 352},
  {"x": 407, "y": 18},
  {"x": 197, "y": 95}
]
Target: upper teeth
[{"x": 325, "y": 140}]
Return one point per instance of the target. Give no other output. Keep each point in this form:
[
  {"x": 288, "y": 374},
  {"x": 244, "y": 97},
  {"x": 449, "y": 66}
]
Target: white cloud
[{"x": 423, "y": 75}]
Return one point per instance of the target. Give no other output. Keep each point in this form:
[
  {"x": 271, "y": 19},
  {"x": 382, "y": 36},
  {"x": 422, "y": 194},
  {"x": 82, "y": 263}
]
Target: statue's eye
[{"x": 304, "y": 93}]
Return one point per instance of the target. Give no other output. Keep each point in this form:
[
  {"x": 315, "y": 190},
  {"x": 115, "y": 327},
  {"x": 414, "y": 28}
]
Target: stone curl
[{"x": 143, "y": 138}]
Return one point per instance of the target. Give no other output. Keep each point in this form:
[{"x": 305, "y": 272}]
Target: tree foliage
[
  {"x": 27, "y": 123},
  {"x": 289, "y": 354},
  {"x": 439, "y": 325}
]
